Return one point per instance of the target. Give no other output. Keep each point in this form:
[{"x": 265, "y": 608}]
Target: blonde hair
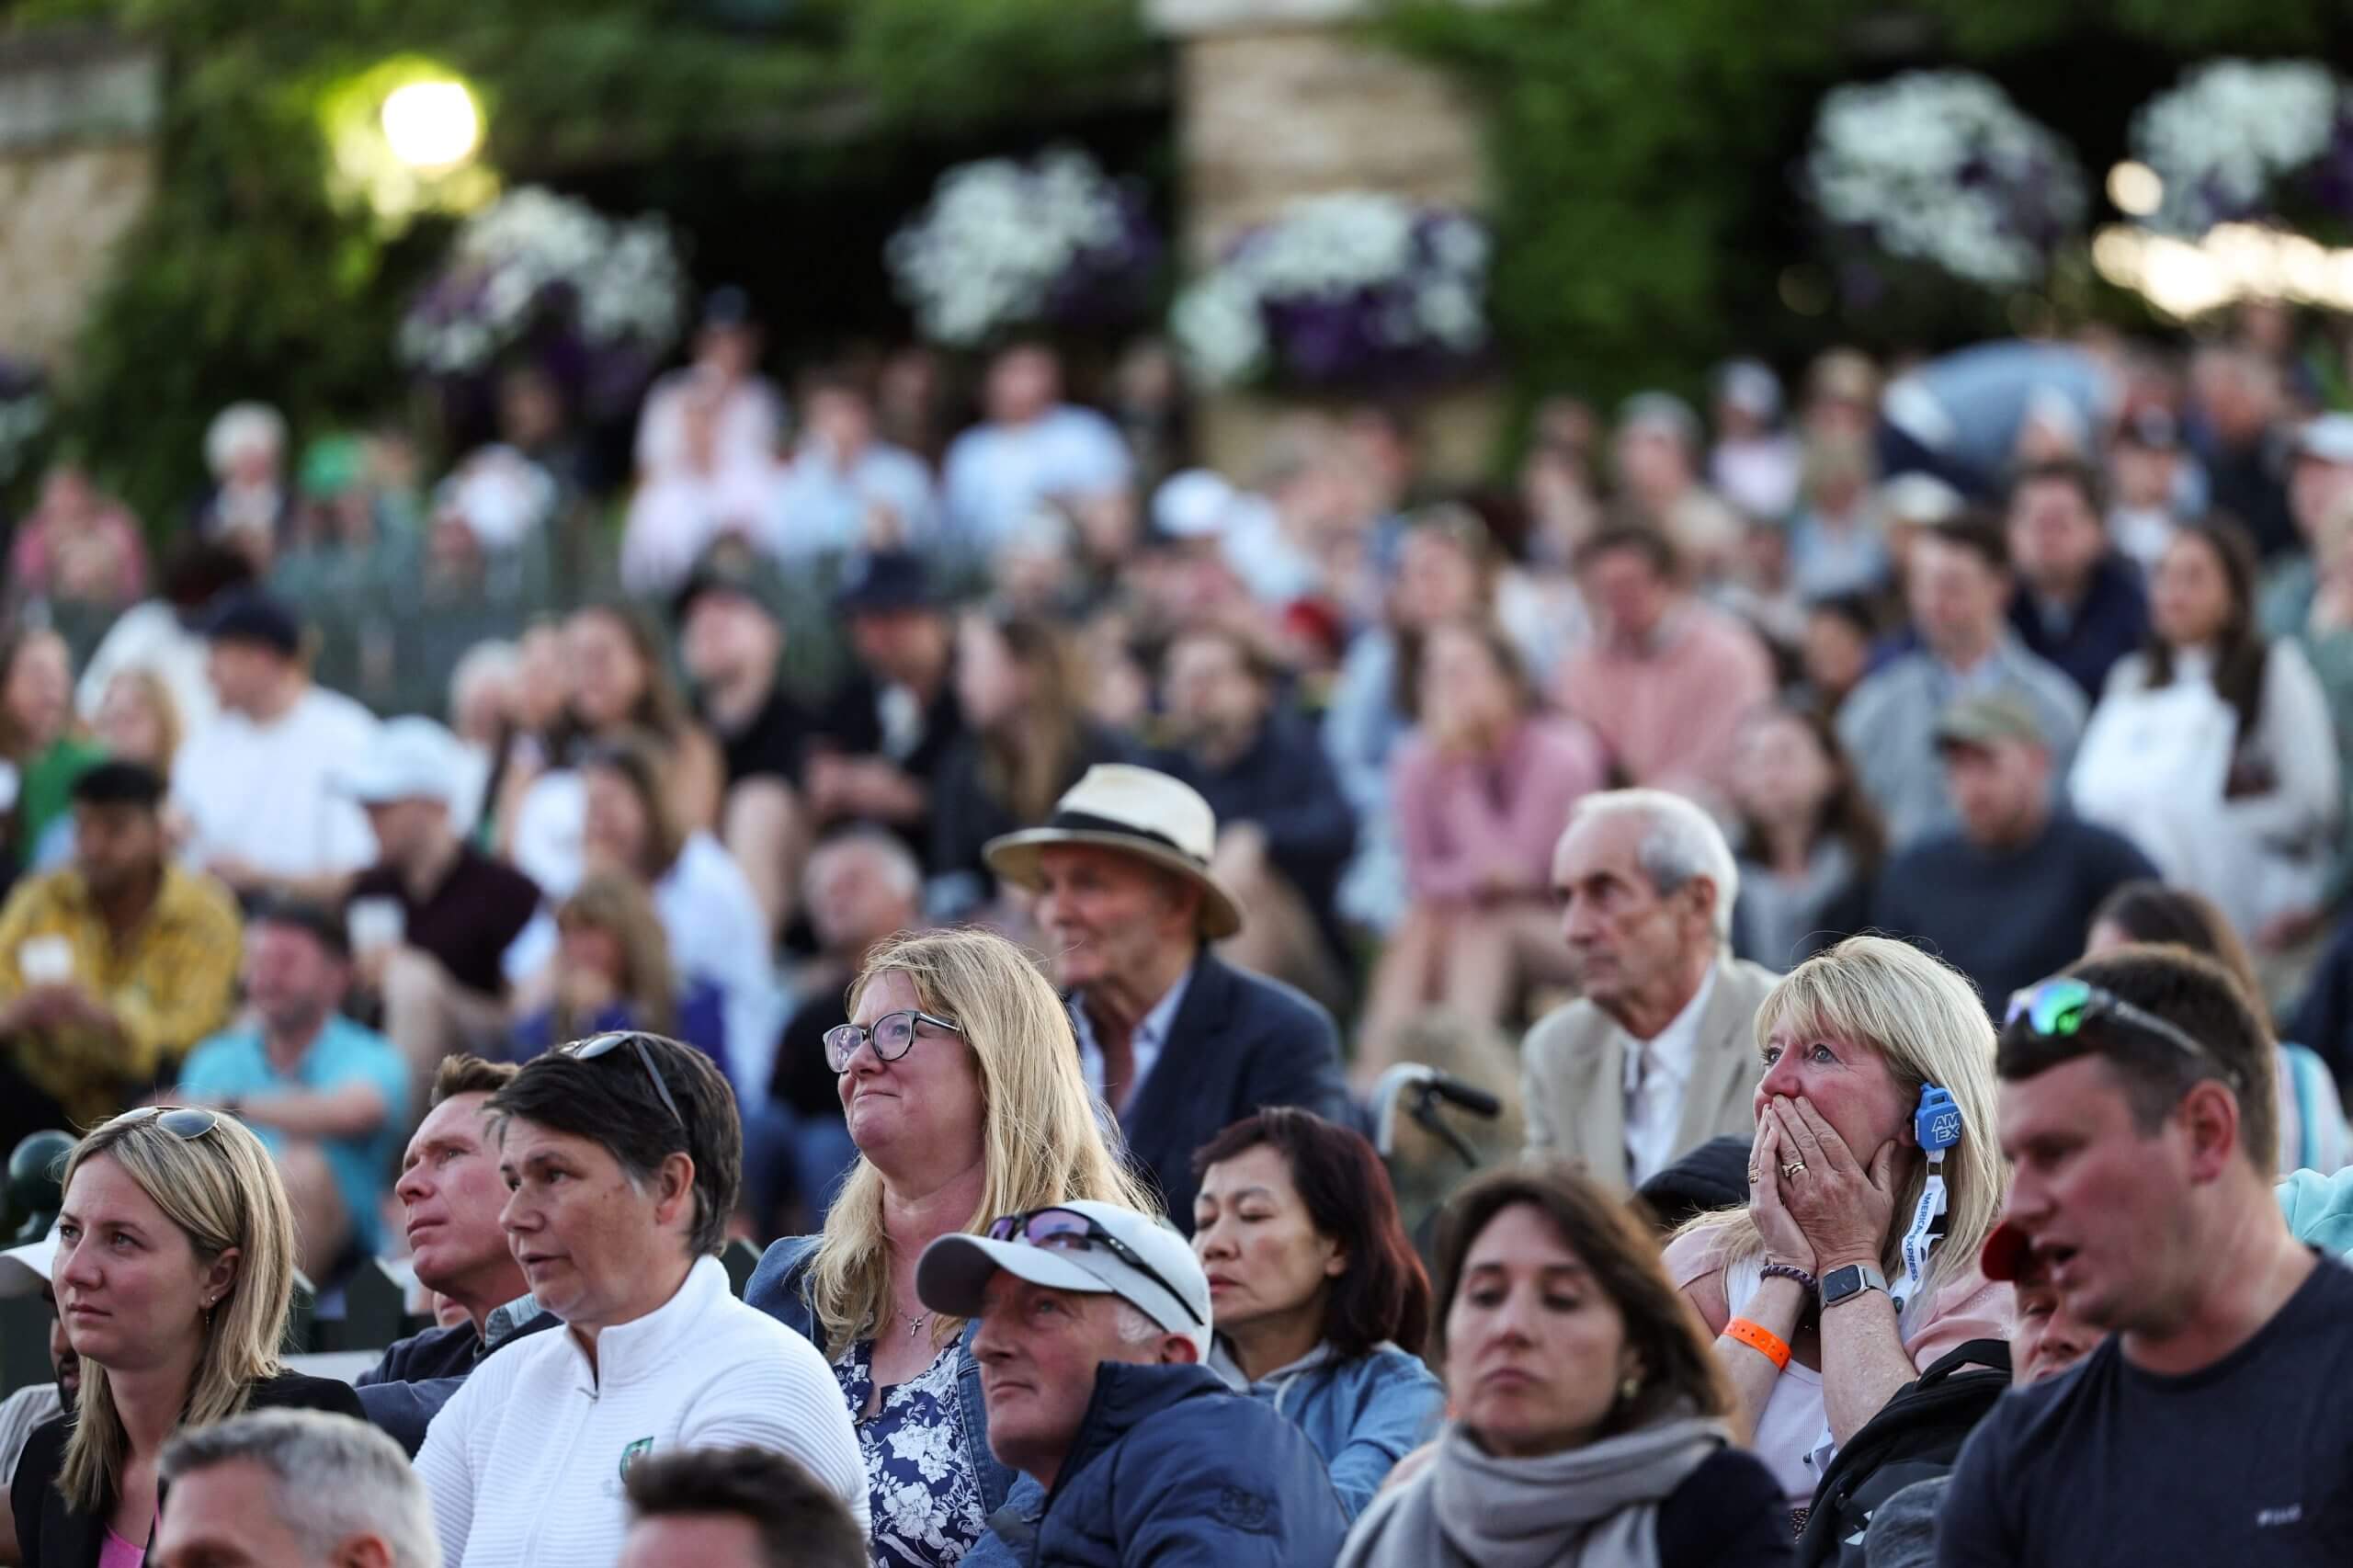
[
  {"x": 616, "y": 902},
  {"x": 1040, "y": 1140},
  {"x": 222, "y": 1190},
  {"x": 1923, "y": 1019},
  {"x": 157, "y": 694}
]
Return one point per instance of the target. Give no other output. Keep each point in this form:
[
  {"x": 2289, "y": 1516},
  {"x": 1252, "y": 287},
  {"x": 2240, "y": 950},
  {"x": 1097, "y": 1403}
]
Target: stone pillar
[
  {"x": 78, "y": 113},
  {"x": 1278, "y": 99}
]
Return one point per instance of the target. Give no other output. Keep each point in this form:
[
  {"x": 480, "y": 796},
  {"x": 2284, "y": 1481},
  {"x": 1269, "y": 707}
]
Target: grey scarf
[{"x": 1591, "y": 1507}]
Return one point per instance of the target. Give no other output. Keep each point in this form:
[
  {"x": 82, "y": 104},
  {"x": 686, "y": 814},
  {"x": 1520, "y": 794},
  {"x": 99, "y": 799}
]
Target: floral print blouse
[{"x": 925, "y": 1501}]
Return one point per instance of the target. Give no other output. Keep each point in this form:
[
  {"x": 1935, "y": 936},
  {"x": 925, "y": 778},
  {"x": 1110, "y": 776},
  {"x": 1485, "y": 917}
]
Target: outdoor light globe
[{"x": 432, "y": 125}]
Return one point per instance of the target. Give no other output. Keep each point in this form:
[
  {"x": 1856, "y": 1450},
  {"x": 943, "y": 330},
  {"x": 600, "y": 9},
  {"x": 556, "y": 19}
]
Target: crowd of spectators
[{"x": 1903, "y": 829}]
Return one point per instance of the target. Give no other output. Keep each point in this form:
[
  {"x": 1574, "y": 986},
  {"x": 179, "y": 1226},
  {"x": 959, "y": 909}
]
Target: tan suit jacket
[{"x": 1572, "y": 1075}]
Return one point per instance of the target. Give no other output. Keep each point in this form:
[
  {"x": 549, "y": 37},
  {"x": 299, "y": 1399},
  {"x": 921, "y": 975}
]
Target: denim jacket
[
  {"x": 779, "y": 1286},
  {"x": 1363, "y": 1413}
]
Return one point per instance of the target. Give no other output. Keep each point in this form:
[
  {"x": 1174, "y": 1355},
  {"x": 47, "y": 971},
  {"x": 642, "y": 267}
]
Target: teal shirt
[
  {"x": 234, "y": 1064},
  {"x": 2320, "y": 1210}
]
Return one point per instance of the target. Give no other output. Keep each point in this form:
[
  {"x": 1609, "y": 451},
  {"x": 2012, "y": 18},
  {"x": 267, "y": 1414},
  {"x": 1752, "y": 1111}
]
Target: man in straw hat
[{"x": 1127, "y": 908}]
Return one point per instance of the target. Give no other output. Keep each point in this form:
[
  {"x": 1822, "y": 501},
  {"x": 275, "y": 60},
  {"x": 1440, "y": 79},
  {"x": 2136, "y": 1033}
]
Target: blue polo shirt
[{"x": 234, "y": 1064}]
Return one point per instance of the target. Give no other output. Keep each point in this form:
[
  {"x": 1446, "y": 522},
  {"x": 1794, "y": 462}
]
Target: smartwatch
[{"x": 1845, "y": 1284}]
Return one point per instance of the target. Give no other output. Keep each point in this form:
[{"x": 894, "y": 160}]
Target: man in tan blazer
[{"x": 1655, "y": 1056}]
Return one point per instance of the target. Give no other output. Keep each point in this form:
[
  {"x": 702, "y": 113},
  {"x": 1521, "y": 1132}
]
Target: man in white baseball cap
[
  {"x": 431, "y": 920},
  {"x": 25, "y": 1271},
  {"x": 1128, "y": 903},
  {"x": 1094, "y": 1323}
]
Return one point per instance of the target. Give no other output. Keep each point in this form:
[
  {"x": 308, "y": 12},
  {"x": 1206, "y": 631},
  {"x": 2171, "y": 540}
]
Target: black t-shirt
[
  {"x": 801, "y": 1077},
  {"x": 2245, "y": 1464},
  {"x": 469, "y": 920},
  {"x": 773, "y": 744}
]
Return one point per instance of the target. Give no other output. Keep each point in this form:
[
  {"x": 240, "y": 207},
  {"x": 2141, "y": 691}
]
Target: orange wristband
[{"x": 1762, "y": 1340}]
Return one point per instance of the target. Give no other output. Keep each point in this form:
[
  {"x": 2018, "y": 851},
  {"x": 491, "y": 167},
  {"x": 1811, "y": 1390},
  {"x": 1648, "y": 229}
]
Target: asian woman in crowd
[
  {"x": 1317, "y": 1291},
  {"x": 961, "y": 1077},
  {"x": 1818, "y": 1324},
  {"x": 174, "y": 1274},
  {"x": 1590, "y": 1423}
]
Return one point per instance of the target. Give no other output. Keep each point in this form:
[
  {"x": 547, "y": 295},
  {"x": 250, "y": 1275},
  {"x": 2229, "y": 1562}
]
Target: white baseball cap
[
  {"x": 1090, "y": 1247},
  {"x": 1195, "y": 504},
  {"x": 409, "y": 759},
  {"x": 25, "y": 1269},
  {"x": 2328, "y": 437}
]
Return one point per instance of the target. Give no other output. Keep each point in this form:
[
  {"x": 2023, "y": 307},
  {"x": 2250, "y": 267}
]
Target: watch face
[{"x": 1840, "y": 1283}]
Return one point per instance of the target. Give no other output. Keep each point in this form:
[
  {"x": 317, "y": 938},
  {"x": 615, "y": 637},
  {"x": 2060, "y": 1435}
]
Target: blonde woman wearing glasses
[
  {"x": 960, "y": 1077},
  {"x": 175, "y": 1270}
]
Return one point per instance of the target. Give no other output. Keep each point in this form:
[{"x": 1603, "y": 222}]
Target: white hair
[
  {"x": 895, "y": 860},
  {"x": 486, "y": 661},
  {"x": 239, "y": 426},
  {"x": 1136, "y": 1327},
  {"x": 332, "y": 1479},
  {"x": 1680, "y": 842}
]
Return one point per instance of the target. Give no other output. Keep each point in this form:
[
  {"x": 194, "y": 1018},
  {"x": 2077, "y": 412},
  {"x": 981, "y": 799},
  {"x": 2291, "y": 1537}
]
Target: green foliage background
[
  {"x": 242, "y": 280},
  {"x": 1642, "y": 148}
]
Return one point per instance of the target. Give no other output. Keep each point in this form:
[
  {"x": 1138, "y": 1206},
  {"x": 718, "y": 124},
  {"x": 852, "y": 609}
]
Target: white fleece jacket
[{"x": 525, "y": 1462}]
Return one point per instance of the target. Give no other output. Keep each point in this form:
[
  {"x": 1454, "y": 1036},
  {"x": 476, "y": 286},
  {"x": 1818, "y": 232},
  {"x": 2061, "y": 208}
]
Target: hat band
[{"x": 1087, "y": 822}]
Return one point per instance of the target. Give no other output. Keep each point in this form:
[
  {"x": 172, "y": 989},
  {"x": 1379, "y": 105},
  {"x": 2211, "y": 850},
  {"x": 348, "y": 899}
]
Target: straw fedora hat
[{"x": 1137, "y": 811}]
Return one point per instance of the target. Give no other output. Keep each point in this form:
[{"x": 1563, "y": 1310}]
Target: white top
[
  {"x": 1793, "y": 1429},
  {"x": 21, "y": 1412},
  {"x": 266, "y": 792},
  {"x": 997, "y": 474},
  {"x": 746, "y": 429},
  {"x": 1151, "y": 1034},
  {"x": 1655, "y": 1074},
  {"x": 525, "y": 1462}
]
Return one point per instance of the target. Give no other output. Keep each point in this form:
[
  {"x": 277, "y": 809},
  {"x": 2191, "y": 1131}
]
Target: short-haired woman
[
  {"x": 174, "y": 1274},
  {"x": 960, "y": 1075},
  {"x": 624, "y": 1154},
  {"x": 1803, "y": 1284},
  {"x": 1591, "y": 1424},
  {"x": 1317, "y": 1291}
]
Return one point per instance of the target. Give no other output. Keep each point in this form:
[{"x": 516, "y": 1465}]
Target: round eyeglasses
[{"x": 892, "y": 1035}]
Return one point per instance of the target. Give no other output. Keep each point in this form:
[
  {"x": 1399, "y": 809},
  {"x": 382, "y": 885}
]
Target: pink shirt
[
  {"x": 115, "y": 1552},
  {"x": 1462, "y": 820},
  {"x": 1670, "y": 713}
]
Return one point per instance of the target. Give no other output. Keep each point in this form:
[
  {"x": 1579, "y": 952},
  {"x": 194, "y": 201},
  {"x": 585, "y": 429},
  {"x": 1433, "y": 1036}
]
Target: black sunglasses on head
[
  {"x": 1057, "y": 1227},
  {"x": 604, "y": 1044}
]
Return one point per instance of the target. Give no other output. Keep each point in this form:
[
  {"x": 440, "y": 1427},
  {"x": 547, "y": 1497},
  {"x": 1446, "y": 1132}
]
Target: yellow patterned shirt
[{"x": 169, "y": 984}]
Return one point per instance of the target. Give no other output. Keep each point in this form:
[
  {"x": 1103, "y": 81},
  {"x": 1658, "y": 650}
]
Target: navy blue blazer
[{"x": 1239, "y": 1042}]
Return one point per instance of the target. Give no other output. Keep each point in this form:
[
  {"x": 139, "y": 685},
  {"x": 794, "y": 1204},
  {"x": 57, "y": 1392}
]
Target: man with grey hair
[
  {"x": 291, "y": 1489},
  {"x": 1654, "y": 1057}
]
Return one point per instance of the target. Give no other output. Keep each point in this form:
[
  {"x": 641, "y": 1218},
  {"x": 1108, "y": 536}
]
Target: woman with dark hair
[
  {"x": 1809, "y": 840},
  {"x": 621, "y": 683},
  {"x": 2212, "y": 749},
  {"x": 622, "y": 1157},
  {"x": 1591, "y": 1422},
  {"x": 1027, "y": 739},
  {"x": 1482, "y": 790},
  {"x": 2313, "y": 1133},
  {"x": 1317, "y": 1290}
]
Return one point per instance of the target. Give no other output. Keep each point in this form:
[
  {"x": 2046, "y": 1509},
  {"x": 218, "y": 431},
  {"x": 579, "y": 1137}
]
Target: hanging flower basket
[
  {"x": 594, "y": 301},
  {"x": 2246, "y": 141},
  {"x": 1354, "y": 289},
  {"x": 1940, "y": 168},
  {"x": 1007, "y": 245}
]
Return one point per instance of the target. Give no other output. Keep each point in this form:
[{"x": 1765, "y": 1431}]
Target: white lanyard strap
[{"x": 1922, "y": 1235}]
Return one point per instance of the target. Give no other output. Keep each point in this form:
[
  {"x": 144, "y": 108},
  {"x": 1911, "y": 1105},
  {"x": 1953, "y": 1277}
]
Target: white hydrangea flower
[
  {"x": 1889, "y": 156},
  {"x": 996, "y": 239},
  {"x": 627, "y": 277},
  {"x": 1419, "y": 282},
  {"x": 2232, "y": 128}
]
